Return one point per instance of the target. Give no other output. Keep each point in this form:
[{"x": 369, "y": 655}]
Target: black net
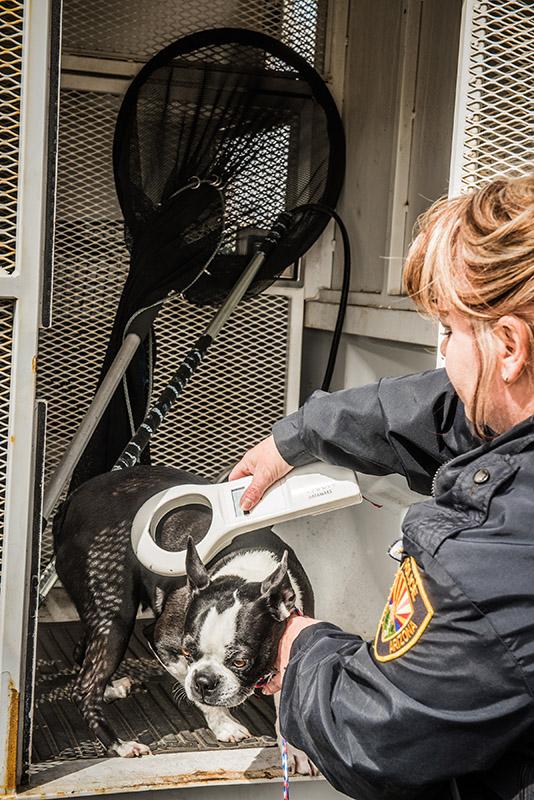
[
  {"x": 244, "y": 112},
  {"x": 217, "y": 135}
]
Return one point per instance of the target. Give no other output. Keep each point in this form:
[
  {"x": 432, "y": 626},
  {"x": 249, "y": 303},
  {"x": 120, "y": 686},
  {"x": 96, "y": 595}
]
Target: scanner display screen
[{"x": 237, "y": 494}]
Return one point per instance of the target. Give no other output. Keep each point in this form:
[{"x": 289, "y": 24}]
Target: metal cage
[
  {"x": 493, "y": 134},
  {"x": 251, "y": 376},
  {"x": 495, "y": 98}
]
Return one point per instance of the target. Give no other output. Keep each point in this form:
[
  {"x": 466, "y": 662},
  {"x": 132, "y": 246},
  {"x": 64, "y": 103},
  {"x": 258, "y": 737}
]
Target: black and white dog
[{"x": 216, "y": 631}]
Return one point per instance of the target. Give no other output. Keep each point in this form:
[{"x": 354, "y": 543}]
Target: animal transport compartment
[
  {"x": 245, "y": 384},
  {"x": 395, "y": 67}
]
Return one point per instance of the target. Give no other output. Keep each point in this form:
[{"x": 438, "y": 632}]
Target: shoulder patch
[{"x": 406, "y": 615}]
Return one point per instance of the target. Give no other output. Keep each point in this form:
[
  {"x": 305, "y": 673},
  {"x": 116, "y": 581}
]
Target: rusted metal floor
[{"x": 149, "y": 715}]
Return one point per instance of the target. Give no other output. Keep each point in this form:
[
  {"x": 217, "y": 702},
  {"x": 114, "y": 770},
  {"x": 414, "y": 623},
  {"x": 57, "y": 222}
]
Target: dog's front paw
[
  {"x": 117, "y": 690},
  {"x": 130, "y": 749},
  {"x": 223, "y": 725},
  {"x": 299, "y": 763},
  {"x": 230, "y": 730}
]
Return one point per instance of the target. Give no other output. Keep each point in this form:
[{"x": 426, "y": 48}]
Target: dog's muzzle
[{"x": 206, "y": 684}]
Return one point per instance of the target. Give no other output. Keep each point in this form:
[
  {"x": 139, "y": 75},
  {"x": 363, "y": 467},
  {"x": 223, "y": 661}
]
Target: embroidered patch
[{"x": 407, "y": 613}]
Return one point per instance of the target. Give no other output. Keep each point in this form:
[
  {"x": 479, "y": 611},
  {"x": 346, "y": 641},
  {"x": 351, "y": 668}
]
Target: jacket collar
[
  {"x": 512, "y": 441},
  {"x": 523, "y": 429}
]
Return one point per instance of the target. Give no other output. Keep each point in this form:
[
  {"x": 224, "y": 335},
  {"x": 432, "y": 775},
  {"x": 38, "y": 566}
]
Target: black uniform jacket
[{"x": 454, "y": 697}]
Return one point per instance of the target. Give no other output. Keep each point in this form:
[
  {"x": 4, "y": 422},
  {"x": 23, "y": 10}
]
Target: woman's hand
[
  {"x": 267, "y": 466},
  {"x": 294, "y": 626}
]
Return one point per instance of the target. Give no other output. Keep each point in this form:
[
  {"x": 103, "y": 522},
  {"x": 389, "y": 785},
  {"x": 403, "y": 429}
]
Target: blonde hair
[{"x": 475, "y": 254}]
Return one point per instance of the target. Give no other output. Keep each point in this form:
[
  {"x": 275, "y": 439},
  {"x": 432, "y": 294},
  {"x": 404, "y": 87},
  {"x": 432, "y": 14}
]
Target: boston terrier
[{"x": 216, "y": 631}]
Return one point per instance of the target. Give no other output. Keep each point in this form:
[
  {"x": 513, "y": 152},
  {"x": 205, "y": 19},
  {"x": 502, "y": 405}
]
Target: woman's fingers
[
  {"x": 266, "y": 465},
  {"x": 274, "y": 685},
  {"x": 294, "y": 626},
  {"x": 260, "y": 483},
  {"x": 241, "y": 469}
]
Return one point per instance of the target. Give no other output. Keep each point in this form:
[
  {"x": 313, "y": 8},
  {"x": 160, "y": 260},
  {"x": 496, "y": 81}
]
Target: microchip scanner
[{"x": 305, "y": 491}]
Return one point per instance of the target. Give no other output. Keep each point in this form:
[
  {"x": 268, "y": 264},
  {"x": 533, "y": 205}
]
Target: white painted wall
[{"x": 360, "y": 360}]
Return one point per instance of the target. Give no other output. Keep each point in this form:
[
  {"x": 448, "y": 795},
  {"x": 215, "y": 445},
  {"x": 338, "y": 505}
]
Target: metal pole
[
  {"x": 89, "y": 423},
  {"x": 455, "y": 793},
  {"x": 225, "y": 311},
  {"x": 169, "y": 396}
]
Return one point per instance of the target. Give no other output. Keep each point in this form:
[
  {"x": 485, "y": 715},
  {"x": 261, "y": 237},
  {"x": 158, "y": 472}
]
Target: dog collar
[{"x": 265, "y": 680}]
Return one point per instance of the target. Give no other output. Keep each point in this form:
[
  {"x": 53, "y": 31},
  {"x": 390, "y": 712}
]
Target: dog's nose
[{"x": 206, "y": 683}]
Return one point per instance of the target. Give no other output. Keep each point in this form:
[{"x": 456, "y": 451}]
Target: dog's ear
[
  {"x": 277, "y": 590},
  {"x": 197, "y": 574}
]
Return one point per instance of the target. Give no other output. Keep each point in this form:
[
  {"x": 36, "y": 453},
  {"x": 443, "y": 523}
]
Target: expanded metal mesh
[
  {"x": 240, "y": 389},
  {"x": 499, "y": 133},
  {"x": 11, "y": 31},
  {"x": 237, "y": 393},
  {"x": 136, "y": 29},
  {"x": 90, "y": 266},
  {"x": 6, "y": 344},
  {"x": 11, "y": 19}
]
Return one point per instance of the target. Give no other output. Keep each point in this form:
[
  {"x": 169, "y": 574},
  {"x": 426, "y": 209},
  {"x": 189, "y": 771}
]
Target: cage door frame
[{"x": 23, "y": 288}]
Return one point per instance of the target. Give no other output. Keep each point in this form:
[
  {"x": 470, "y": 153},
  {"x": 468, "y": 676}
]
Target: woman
[{"x": 446, "y": 689}]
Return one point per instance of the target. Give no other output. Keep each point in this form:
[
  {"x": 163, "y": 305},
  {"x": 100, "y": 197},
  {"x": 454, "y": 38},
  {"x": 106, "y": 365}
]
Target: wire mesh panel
[
  {"x": 228, "y": 406},
  {"x": 240, "y": 390},
  {"x": 11, "y": 30},
  {"x": 6, "y": 342},
  {"x": 90, "y": 264},
  {"x": 136, "y": 29},
  {"x": 499, "y": 128},
  {"x": 11, "y": 19}
]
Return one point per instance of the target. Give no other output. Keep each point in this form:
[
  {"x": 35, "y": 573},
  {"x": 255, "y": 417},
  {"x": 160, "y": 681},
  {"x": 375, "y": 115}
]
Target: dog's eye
[
  {"x": 240, "y": 663},
  {"x": 186, "y": 653}
]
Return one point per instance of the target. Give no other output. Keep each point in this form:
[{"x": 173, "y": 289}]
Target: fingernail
[{"x": 246, "y": 504}]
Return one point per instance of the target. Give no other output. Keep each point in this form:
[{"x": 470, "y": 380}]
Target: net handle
[{"x": 169, "y": 396}]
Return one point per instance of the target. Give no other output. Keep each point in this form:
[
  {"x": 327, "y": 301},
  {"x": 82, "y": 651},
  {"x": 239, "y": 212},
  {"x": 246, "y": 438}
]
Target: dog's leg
[
  {"x": 106, "y": 644},
  {"x": 79, "y": 649},
  {"x": 223, "y": 725},
  {"x": 298, "y": 762}
]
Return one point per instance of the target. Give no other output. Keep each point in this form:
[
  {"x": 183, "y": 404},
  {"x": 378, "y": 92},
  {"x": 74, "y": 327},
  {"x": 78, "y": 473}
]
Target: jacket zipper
[{"x": 434, "y": 479}]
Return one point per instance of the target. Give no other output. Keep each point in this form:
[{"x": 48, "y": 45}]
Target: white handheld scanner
[{"x": 305, "y": 491}]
